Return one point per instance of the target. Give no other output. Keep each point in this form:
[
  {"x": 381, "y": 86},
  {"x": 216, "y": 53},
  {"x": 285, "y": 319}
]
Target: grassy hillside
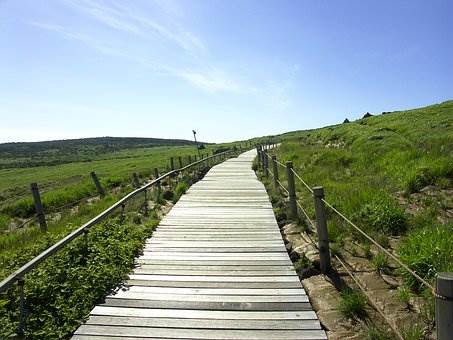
[
  {"x": 392, "y": 174},
  {"x": 13, "y": 155}
]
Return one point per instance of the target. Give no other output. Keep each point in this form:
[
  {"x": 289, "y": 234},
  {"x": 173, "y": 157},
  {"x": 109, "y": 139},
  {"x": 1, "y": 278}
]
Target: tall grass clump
[
  {"x": 353, "y": 304},
  {"x": 383, "y": 214},
  {"x": 427, "y": 251}
]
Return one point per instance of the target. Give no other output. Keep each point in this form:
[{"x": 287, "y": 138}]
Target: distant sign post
[{"x": 196, "y": 144}]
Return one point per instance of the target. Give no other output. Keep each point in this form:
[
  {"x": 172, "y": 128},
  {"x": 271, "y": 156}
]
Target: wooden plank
[
  {"x": 217, "y": 291},
  {"x": 144, "y": 332},
  {"x": 214, "y": 250},
  {"x": 207, "y": 268},
  {"x": 209, "y": 262},
  {"x": 213, "y": 272},
  {"x": 209, "y": 284},
  {"x": 207, "y": 305},
  {"x": 203, "y": 323},
  {"x": 202, "y": 278},
  {"x": 203, "y": 314},
  {"x": 128, "y": 294}
]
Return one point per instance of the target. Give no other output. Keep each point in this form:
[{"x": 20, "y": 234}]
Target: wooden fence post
[
  {"x": 266, "y": 164},
  {"x": 258, "y": 158},
  {"x": 321, "y": 226},
  {"x": 172, "y": 164},
  {"x": 180, "y": 161},
  {"x": 98, "y": 185},
  {"x": 38, "y": 206},
  {"x": 291, "y": 190},
  {"x": 444, "y": 305},
  {"x": 275, "y": 171},
  {"x": 156, "y": 175},
  {"x": 136, "y": 181},
  {"x": 189, "y": 158}
]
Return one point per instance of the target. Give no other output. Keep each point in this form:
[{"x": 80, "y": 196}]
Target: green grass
[
  {"x": 352, "y": 304},
  {"x": 368, "y": 165}
]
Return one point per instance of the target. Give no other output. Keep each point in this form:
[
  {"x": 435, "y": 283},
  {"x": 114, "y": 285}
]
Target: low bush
[{"x": 63, "y": 289}]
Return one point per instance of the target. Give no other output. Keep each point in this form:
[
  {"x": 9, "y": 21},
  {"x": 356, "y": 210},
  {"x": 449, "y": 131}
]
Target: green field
[
  {"x": 66, "y": 185},
  {"x": 64, "y": 288},
  {"x": 392, "y": 174}
]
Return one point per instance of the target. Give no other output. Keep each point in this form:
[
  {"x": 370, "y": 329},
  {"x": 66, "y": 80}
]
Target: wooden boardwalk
[{"x": 215, "y": 268}]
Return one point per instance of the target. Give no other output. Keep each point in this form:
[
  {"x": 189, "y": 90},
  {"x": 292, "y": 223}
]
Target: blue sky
[{"x": 229, "y": 69}]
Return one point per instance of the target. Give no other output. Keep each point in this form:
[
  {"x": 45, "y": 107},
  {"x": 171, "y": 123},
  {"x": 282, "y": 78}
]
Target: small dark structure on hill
[
  {"x": 367, "y": 115},
  {"x": 346, "y": 121}
]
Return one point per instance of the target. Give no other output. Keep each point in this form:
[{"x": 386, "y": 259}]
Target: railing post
[
  {"x": 38, "y": 207},
  {"x": 275, "y": 171},
  {"x": 258, "y": 157},
  {"x": 98, "y": 185},
  {"x": 189, "y": 159},
  {"x": 172, "y": 164},
  {"x": 444, "y": 305},
  {"x": 156, "y": 175},
  {"x": 180, "y": 161},
  {"x": 135, "y": 180},
  {"x": 22, "y": 309},
  {"x": 321, "y": 226},
  {"x": 266, "y": 164},
  {"x": 291, "y": 190}
]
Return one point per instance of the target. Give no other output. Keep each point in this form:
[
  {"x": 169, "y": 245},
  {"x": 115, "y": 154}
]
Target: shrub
[
  {"x": 382, "y": 214},
  {"x": 352, "y": 304},
  {"x": 427, "y": 251},
  {"x": 63, "y": 289}
]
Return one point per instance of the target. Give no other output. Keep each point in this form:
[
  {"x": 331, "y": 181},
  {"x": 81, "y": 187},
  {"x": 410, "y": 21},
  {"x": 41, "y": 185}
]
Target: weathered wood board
[{"x": 215, "y": 268}]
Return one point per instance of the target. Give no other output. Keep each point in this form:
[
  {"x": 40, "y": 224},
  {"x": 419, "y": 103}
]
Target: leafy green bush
[
  {"x": 63, "y": 289},
  {"x": 382, "y": 214},
  {"x": 427, "y": 251},
  {"x": 352, "y": 304}
]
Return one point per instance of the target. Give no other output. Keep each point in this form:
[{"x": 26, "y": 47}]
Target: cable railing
[
  {"x": 321, "y": 226},
  {"x": 18, "y": 276}
]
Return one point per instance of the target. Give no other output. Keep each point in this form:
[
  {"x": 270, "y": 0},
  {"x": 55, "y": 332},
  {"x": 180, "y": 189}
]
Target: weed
[
  {"x": 427, "y": 251},
  {"x": 404, "y": 295},
  {"x": 380, "y": 262},
  {"x": 335, "y": 249},
  {"x": 413, "y": 332},
  {"x": 382, "y": 214},
  {"x": 302, "y": 263},
  {"x": 375, "y": 333},
  {"x": 352, "y": 304}
]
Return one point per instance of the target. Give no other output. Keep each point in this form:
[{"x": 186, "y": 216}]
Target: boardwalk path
[{"x": 215, "y": 268}]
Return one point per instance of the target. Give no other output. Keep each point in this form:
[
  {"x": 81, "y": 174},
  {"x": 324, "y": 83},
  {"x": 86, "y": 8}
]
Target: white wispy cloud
[{"x": 166, "y": 25}]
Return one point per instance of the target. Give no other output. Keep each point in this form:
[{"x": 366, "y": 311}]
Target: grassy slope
[
  {"x": 372, "y": 169},
  {"x": 73, "y": 150}
]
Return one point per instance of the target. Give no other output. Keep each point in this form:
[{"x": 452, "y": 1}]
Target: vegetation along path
[{"x": 215, "y": 268}]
